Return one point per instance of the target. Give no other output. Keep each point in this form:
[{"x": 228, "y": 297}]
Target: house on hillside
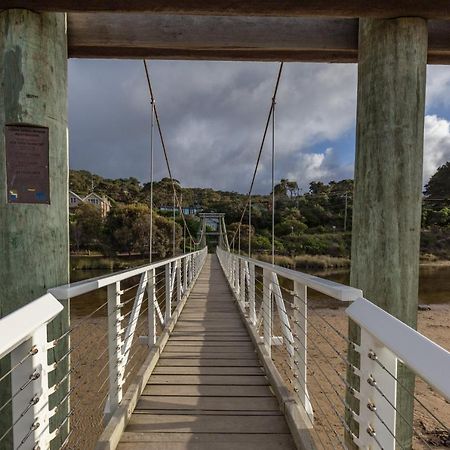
[
  {"x": 74, "y": 200},
  {"x": 187, "y": 210},
  {"x": 101, "y": 203}
]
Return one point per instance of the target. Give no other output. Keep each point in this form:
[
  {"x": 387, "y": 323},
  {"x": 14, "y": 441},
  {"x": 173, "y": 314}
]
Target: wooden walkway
[{"x": 208, "y": 390}]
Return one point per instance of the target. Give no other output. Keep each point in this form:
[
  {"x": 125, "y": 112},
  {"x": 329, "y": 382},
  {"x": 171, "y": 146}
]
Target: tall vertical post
[
  {"x": 300, "y": 354},
  {"x": 232, "y": 270},
  {"x": 151, "y": 294},
  {"x": 388, "y": 176},
  {"x": 178, "y": 281},
  {"x": 33, "y": 91},
  {"x": 185, "y": 275},
  {"x": 114, "y": 348},
  {"x": 251, "y": 294},
  {"x": 242, "y": 283},
  {"x": 236, "y": 276},
  {"x": 168, "y": 290},
  {"x": 345, "y": 212},
  {"x": 267, "y": 311},
  {"x": 30, "y": 381}
]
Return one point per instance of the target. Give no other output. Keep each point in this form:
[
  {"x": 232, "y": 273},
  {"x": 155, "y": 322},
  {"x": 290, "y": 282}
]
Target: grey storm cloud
[{"x": 213, "y": 115}]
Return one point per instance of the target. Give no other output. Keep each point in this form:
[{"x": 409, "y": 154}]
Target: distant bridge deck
[{"x": 208, "y": 389}]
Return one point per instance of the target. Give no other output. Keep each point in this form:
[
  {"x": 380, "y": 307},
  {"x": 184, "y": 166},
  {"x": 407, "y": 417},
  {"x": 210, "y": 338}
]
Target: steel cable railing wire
[
  {"x": 33, "y": 401},
  {"x": 399, "y": 413},
  {"x": 337, "y": 394},
  {"x": 318, "y": 332},
  {"x": 413, "y": 396},
  {"x": 318, "y": 405},
  {"x": 353, "y": 368},
  {"x": 84, "y": 320},
  {"x": 99, "y": 406},
  {"x": 293, "y": 294},
  {"x": 166, "y": 157},
  {"x": 258, "y": 159},
  {"x": 98, "y": 358},
  {"x": 33, "y": 350},
  {"x": 135, "y": 351},
  {"x": 340, "y": 355},
  {"x": 325, "y": 416},
  {"x": 81, "y": 321},
  {"x": 34, "y": 376},
  {"x": 266, "y": 317},
  {"x": 330, "y": 382}
]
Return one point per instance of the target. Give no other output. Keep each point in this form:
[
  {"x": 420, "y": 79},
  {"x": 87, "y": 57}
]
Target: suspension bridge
[{"x": 213, "y": 348}]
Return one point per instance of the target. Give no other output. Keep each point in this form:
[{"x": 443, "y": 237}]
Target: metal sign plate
[{"x": 27, "y": 160}]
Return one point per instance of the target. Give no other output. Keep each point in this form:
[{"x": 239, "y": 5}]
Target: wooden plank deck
[{"x": 208, "y": 390}]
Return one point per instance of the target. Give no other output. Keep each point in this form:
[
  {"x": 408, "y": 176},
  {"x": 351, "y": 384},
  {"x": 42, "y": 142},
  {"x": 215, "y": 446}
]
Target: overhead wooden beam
[
  {"x": 430, "y": 9},
  {"x": 162, "y": 36}
]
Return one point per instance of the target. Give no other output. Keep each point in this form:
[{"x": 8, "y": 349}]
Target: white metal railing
[
  {"x": 23, "y": 336},
  {"x": 384, "y": 342},
  {"x": 103, "y": 362},
  {"x": 311, "y": 353}
]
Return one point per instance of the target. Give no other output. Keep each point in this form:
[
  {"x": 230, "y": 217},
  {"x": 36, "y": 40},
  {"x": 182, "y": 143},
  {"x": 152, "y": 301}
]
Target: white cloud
[
  {"x": 438, "y": 86},
  {"x": 436, "y": 145},
  {"x": 212, "y": 114}
]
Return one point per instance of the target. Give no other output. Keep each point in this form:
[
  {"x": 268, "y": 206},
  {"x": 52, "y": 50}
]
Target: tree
[
  {"x": 439, "y": 184},
  {"x": 125, "y": 190},
  {"x": 290, "y": 227},
  {"x": 85, "y": 226},
  {"x": 162, "y": 192},
  {"x": 292, "y": 188},
  {"x": 286, "y": 188},
  {"x": 317, "y": 187},
  {"x": 127, "y": 230}
]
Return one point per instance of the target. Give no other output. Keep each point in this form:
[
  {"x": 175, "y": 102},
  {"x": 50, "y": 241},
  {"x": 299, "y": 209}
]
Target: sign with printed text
[{"x": 27, "y": 164}]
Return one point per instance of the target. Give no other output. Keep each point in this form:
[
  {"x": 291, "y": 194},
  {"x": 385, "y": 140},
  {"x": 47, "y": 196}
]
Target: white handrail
[
  {"x": 23, "y": 335},
  {"x": 384, "y": 340},
  {"x": 20, "y": 325},
  {"x": 83, "y": 287},
  {"x": 336, "y": 290},
  {"x": 426, "y": 358}
]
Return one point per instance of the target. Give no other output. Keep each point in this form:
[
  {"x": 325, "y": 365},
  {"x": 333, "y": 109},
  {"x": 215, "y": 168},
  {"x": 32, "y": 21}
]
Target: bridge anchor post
[
  {"x": 388, "y": 179},
  {"x": 34, "y": 241}
]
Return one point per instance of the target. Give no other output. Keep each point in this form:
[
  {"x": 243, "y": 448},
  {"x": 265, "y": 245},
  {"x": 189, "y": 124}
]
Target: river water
[{"x": 434, "y": 283}]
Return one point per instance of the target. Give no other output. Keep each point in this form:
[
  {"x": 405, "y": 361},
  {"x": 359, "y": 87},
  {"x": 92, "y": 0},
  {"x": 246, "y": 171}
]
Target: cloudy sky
[{"x": 213, "y": 114}]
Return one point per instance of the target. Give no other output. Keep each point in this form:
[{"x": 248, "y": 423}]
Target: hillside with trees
[{"x": 316, "y": 223}]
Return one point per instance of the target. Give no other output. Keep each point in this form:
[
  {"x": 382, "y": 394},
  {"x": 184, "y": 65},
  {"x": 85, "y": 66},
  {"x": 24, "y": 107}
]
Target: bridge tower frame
[{"x": 389, "y": 151}]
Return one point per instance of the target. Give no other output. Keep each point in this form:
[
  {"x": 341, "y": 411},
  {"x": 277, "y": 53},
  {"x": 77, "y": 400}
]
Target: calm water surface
[
  {"x": 434, "y": 283},
  {"x": 434, "y": 286}
]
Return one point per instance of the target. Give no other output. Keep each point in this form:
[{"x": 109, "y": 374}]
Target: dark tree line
[{"x": 316, "y": 222}]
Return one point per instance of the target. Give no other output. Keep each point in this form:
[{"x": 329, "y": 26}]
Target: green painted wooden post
[
  {"x": 388, "y": 174},
  {"x": 34, "y": 238}
]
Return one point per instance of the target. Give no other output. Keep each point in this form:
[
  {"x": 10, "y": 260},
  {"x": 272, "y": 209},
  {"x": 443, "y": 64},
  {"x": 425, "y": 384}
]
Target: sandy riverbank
[{"x": 326, "y": 375}]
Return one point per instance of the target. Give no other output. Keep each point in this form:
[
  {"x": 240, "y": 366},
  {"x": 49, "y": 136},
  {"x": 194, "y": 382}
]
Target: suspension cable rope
[
  {"x": 163, "y": 145},
  {"x": 239, "y": 241},
  {"x": 174, "y": 234},
  {"x": 152, "y": 124},
  {"x": 277, "y": 83},
  {"x": 273, "y": 180},
  {"x": 250, "y": 226}
]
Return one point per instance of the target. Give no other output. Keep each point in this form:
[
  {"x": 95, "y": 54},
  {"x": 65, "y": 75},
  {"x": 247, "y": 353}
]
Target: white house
[
  {"x": 101, "y": 203},
  {"x": 74, "y": 200}
]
